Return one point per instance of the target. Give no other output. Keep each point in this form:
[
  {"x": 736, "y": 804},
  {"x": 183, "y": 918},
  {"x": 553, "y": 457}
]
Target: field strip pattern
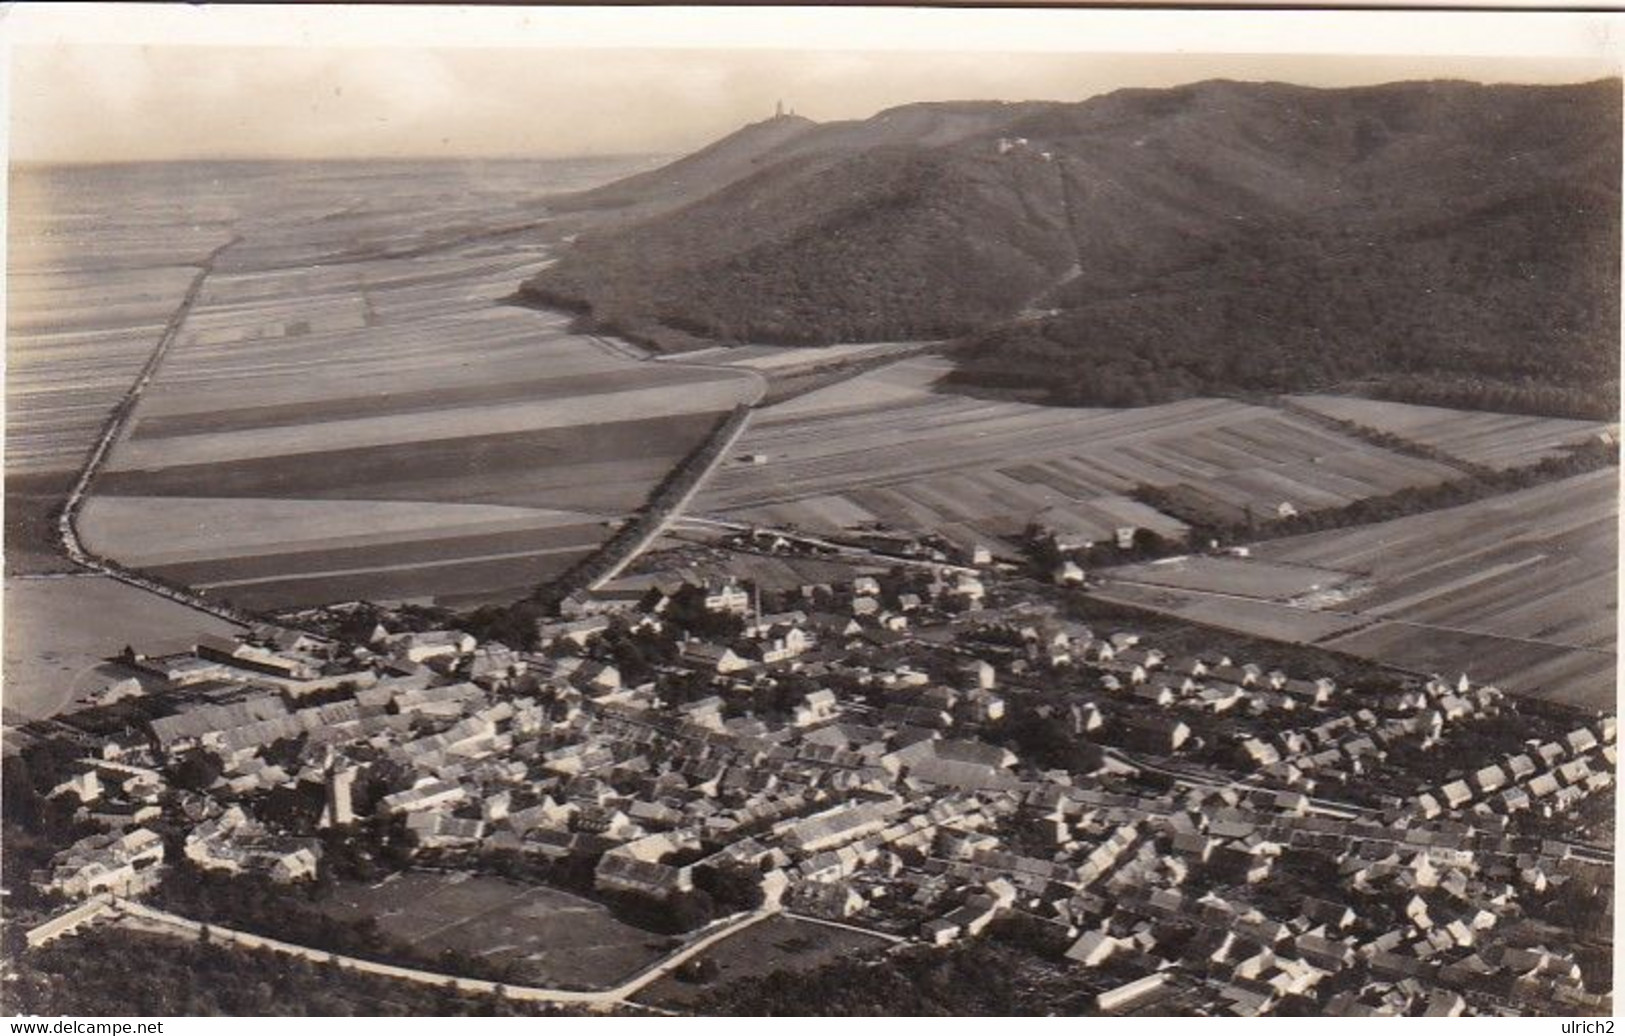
[
  {"x": 389, "y": 429},
  {"x": 352, "y": 352},
  {"x": 1494, "y": 440},
  {"x": 887, "y": 447},
  {"x": 1519, "y": 589},
  {"x": 411, "y": 566}
]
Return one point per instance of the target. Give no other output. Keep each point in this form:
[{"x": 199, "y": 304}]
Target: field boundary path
[
  {"x": 140, "y": 915},
  {"x": 117, "y": 422}
]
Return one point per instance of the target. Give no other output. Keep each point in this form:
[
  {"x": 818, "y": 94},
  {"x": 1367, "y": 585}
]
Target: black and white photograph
[{"x": 658, "y": 512}]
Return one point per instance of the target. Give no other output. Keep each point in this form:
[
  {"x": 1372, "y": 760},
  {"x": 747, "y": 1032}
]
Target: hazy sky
[{"x": 78, "y": 100}]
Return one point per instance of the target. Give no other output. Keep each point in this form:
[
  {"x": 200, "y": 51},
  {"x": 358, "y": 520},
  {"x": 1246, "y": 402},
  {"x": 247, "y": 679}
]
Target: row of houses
[{"x": 1551, "y": 777}]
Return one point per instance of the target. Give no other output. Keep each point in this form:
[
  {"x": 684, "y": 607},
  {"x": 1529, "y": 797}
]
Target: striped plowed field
[{"x": 889, "y": 447}]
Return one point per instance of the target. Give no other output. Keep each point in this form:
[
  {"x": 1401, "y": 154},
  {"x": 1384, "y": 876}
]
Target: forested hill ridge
[{"x": 1413, "y": 238}]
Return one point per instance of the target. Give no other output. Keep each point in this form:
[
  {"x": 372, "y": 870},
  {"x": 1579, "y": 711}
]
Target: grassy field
[
  {"x": 353, "y": 345},
  {"x": 885, "y": 446},
  {"x": 59, "y": 632},
  {"x": 1494, "y": 440},
  {"x": 776, "y": 944},
  {"x": 1519, "y": 590},
  {"x": 554, "y": 938}
]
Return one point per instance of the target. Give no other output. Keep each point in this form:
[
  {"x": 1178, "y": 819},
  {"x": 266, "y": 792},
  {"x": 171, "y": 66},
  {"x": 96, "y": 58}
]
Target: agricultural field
[
  {"x": 555, "y": 939},
  {"x": 97, "y": 261},
  {"x": 1244, "y": 577},
  {"x": 350, "y": 406},
  {"x": 1257, "y": 618},
  {"x": 779, "y": 943},
  {"x": 887, "y": 447},
  {"x": 60, "y": 632},
  {"x": 1497, "y": 441},
  {"x": 492, "y": 446},
  {"x": 100, "y": 258},
  {"x": 1517, "y": 590}
]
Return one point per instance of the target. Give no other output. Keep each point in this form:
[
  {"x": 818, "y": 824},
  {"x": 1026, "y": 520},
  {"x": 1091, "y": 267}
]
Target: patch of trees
[
  {"x": 686, "y": 611},
  {"x": 673, "y": 915},
  {"x": 773, "y": 700},
  {"x": 733, "y": 887},
  {"x": 1469, "y": 390},
  {"x": 1046, "y": 555},
  {"x": 513, "y": 625},
  {"x": 698, "y": 970},
  {"x": 573, "y": 873},
  {"x": 36, "y": 826},
  {"x": 354, "y": 625},
  {"x": 894, "y": 243},
  {"x": 1498, "y": 312},
  {"x": 197, "y": 770},
  {"x": 1573, "y": 906},
  {"x": 1043, "y": 737},
  {"x": 636, "y": 653},
  {"x": 254, "y": 903}
]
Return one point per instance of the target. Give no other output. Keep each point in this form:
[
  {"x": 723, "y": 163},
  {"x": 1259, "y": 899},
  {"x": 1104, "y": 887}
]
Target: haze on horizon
[{"x": 116, "y": 103}]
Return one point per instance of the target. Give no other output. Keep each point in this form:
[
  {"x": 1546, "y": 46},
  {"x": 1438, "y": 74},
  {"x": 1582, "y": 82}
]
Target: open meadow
[
  {"x": 550, "y": 937},
  {"x": 1518, "y": 590},
  {"x": 886, "y": 446}
]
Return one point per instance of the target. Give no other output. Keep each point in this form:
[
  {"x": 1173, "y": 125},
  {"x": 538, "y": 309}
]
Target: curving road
[{"x": 145, "y": 916}]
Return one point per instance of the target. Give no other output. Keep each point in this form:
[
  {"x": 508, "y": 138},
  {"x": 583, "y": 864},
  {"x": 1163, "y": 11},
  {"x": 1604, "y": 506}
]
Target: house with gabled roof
[
  {"x": 618, "y": 872},
  {"x": 1579, "y": 741},
  {"x": 1456, "y": 794},
  {"x": 712, "y": 658},
  {"x": 1093, "y": 948},
  {"x": 1490, "y": 778}
]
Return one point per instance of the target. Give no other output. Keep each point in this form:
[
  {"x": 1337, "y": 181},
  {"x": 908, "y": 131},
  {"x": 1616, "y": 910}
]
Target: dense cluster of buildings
[{"x": 865, "y": 752}]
